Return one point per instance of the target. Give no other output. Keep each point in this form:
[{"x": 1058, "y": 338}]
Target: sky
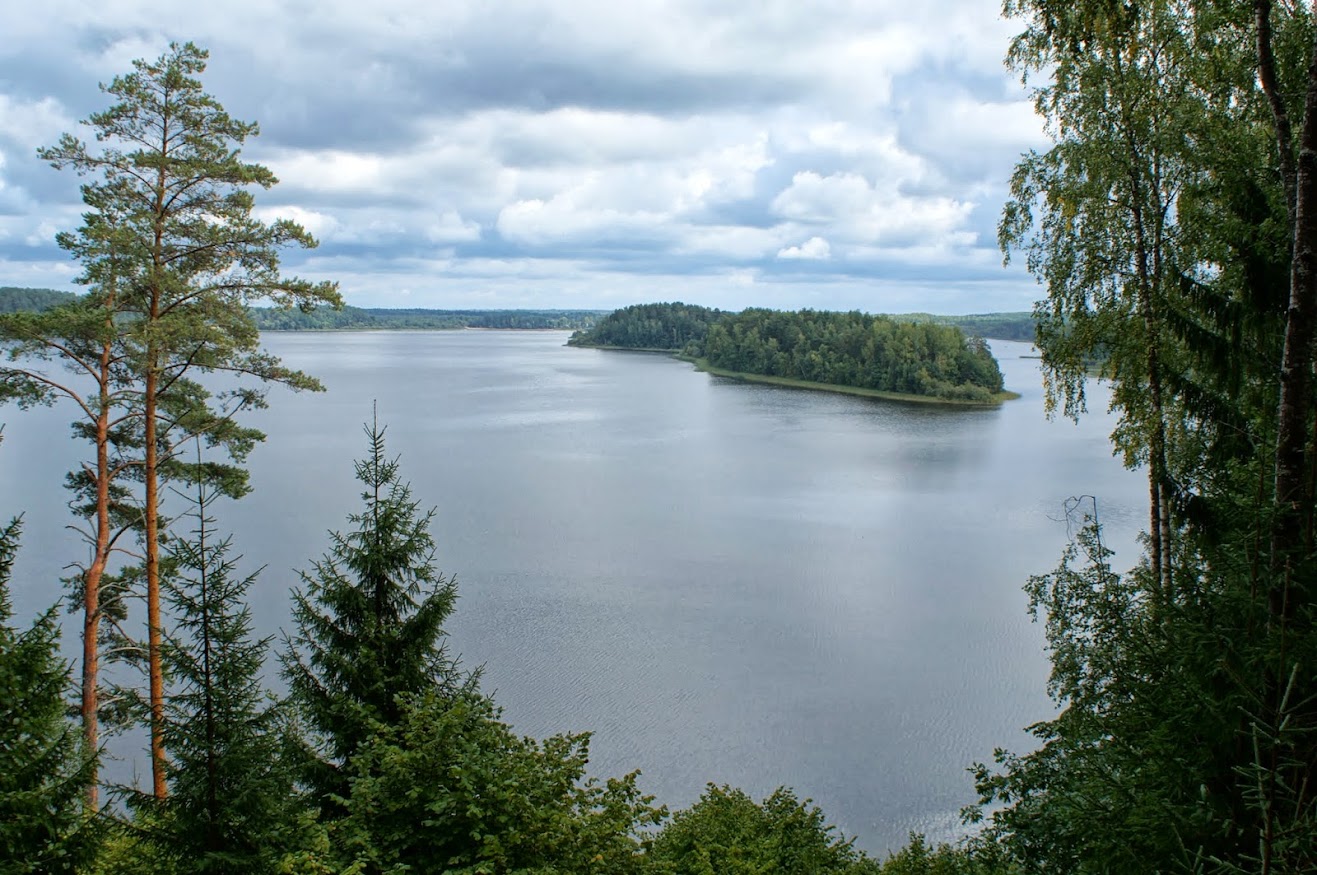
[{"x": 833, "y": 154}]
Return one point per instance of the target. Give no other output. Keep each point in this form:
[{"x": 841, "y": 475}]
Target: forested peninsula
[{"x": 911, "y": 358}]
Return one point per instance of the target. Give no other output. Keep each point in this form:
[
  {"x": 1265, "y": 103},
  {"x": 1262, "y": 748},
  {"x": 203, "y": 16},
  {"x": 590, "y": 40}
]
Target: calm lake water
[{"x": 724, "y": 582}]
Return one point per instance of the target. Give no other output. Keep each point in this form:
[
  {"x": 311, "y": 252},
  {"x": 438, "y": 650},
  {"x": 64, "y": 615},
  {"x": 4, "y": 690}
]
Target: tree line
[
  {"x": 283, "y": 319},
  {"x": 666, "y": 326},
  {"x": 18, "y": 300},
  {"x": 990, "y": 326}
]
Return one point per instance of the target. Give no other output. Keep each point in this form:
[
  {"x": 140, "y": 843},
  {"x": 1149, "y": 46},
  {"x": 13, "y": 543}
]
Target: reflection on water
[{"x": 725, "y": 582}]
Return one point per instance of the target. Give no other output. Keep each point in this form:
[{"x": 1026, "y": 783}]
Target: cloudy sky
[{"x": 574, "y": 153}]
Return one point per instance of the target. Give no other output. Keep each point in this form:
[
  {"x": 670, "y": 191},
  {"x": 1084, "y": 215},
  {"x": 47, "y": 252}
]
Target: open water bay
[{"x": 724, "y": 582}]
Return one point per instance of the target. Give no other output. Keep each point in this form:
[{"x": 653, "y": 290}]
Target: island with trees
[{"x": 856, "y": 353}]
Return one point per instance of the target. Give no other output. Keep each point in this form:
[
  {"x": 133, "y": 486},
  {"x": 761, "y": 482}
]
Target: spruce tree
[
  {"x": 44, "y": 768},
  {"x": 370, "y": 622},
  {"x": 232, "y": 805}
]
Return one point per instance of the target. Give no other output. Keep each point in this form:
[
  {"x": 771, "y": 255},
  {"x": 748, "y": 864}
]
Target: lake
[{"x": 725, "y": 582}]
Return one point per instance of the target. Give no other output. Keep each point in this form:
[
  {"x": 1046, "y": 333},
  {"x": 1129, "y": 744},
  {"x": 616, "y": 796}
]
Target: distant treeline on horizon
[
  {"x": 992, "y": 326},
  {"x": 360, "y": 318}
]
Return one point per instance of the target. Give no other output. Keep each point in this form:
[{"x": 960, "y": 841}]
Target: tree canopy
[
  {"x": 855, "y": 349},
  {"x": 1172, "y": 223},
  {"x": 650, "y": 326}
]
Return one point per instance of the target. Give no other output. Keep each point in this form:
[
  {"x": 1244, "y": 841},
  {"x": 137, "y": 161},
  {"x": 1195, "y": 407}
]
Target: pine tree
[
  {"x": 171, "y": 223},
  {"x": 232, "y": 805},
  {"x": 44, "y": 769},
  {"x": 81, "y": 336},
  {"x": 370, "y": 621}
]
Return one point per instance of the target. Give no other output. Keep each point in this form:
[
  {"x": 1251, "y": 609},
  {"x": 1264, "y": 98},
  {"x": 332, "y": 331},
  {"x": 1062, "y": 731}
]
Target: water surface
[{"x": 724, "y": 582}]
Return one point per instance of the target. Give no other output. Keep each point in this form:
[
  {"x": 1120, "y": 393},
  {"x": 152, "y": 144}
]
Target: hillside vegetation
[{"x": 17, "y": 300}]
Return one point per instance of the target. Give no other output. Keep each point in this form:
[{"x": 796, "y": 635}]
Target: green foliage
[
  {"x": 972, "y": 857},
  {"x": 855, "y": 349},
  {"x": 728, "y": 833},
  {"x": 650, "y": 326},
  {"x": 231, "y": 806},
  {"x": 19, "y": 300},
  {"x": 1162, "y": 222},
  {"x": 370, "y": 621},
  {"x": 44, "y": 770},
  {"x": 127, "y": 850},
  {"x": 173, "y": 251},
  {"x": 171, "y": 246},
  {"x": 993, "y": 326},
  {"x": 451, "y": 788},
  {"x": 910, "y": 355}
]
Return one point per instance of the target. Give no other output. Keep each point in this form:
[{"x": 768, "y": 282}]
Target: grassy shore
[{"x": 904, "y": 397}]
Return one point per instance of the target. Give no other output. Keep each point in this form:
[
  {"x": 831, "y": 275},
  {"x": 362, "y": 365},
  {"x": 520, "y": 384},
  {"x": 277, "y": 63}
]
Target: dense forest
[
  {"x": 671, "y": 326},
  {"x": 16, "y": 300},
  {"x": 667, "y": 326},
  {"x": 854, "y": 349},
  {"x": 884, "y": 354},
  {"x": 1172, "y": 222}
]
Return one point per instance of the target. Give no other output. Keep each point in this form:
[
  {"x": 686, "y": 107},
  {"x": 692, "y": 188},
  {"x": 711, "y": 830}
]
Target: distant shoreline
[
  {"x": 336, "y": 329},
  {"x": 902, "y": 397}
]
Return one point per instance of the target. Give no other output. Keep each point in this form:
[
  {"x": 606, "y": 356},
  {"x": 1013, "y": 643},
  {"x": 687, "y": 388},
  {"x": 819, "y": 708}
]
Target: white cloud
[
  {"x": 685, "y": 142},
  {"x": 450, "y": 227},
  {"x": 320, "y": 225},
  {"x": 565, "y": 218},
  {"x": 42, "y": 235},
  {"x": 857, "y": 210},
  {"x": 331, "y": 171},
  {"x": 813, "y": 249},
  {"x": 32, "y": 123}
]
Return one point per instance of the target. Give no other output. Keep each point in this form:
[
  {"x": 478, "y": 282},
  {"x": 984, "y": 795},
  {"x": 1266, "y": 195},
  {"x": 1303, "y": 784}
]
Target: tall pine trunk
[
  {"x": 153, "y": 619},
  {"x": 151, "y": 498}
]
